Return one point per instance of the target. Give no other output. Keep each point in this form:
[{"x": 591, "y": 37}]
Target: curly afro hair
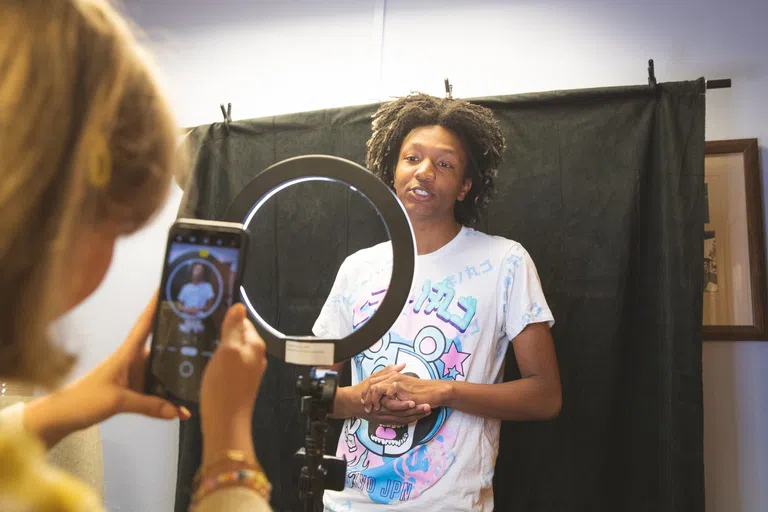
[{"x": 473, "y": 124}]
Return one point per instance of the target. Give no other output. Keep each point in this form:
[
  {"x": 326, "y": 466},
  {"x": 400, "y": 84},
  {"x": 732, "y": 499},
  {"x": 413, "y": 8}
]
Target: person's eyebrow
[{"x": 416, "y": 145}]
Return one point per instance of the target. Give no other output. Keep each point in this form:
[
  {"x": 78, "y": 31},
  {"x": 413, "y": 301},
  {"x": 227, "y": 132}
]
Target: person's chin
[{"x": 419, "y": 210}]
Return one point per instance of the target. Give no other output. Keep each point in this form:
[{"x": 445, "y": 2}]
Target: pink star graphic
[{"x": 454, "y": 359}]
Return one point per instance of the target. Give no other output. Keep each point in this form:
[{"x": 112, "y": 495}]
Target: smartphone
[{"x": 202, "y": 271}]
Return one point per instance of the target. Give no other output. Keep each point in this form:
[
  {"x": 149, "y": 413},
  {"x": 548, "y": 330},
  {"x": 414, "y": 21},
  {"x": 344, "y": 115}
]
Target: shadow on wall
[{"x": 721, "y": 448}]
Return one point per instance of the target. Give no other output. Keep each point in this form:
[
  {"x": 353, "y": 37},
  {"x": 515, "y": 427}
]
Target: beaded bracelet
[
  {"x": 253, "y": 479},
  {"x": 237, "y": 456}
]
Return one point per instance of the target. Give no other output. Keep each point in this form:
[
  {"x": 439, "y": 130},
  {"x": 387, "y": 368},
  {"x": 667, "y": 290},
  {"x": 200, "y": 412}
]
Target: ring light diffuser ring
[{"x": 308, "y": 350}]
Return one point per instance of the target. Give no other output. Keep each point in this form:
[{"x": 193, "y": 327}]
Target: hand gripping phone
[{"x": 202, "y": 272}]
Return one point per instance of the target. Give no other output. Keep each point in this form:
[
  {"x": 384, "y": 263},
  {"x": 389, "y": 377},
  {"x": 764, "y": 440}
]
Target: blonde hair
[{"x": 86, "y": 137}]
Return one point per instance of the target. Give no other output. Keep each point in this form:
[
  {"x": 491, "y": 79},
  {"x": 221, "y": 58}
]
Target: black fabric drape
[{"x": 604, "y": 187}]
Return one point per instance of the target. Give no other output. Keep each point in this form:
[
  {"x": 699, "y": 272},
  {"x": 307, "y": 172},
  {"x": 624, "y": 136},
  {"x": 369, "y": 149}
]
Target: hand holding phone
[
  {"x": 202, "y": 272},
  {"x": 231, "y": 381},
  {"x": 114, "y": 386}
]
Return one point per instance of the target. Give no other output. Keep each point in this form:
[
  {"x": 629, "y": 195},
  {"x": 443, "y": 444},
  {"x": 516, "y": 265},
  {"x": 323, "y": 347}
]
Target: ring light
[{"x": 308, "y": 350}]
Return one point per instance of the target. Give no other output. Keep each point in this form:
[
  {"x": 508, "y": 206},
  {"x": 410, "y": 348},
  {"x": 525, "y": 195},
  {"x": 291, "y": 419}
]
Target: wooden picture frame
[{"x": 735, "y": 292}]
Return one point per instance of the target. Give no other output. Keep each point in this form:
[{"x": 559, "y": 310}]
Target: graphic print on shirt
[{"x": 396, "y": 463}]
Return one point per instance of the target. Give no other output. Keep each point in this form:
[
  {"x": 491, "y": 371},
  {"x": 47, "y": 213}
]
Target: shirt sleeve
[
  {"x": 523, "y": 297},
  {"x": 183, "y": 294},
  {"x": 209, "y": 294},
  {"x": 335, "y": 319},
  {"x": 12, "y": 417},
  {"x": 39, "y": 485}
]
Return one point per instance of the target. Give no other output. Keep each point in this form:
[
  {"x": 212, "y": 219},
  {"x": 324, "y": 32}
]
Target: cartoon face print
[{"x": 419, "y": 357}]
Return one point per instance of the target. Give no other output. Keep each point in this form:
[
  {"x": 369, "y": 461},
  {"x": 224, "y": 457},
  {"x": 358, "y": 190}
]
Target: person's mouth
[{"x": 420, "y": 193}]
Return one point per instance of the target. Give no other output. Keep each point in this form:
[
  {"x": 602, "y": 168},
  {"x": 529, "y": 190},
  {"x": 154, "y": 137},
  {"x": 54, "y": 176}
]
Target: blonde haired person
[{"x": 87, "y": 151}]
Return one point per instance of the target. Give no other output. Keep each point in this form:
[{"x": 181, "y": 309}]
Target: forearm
[
  {"x": 347, "y": 403},
  {"x": 50, "y": 419},
  {"x": 530, "y": 398},
  {"x": 221, "y": 434},
  {"x": 223, "y": 437},
  {"x": 343, "y": 403}
]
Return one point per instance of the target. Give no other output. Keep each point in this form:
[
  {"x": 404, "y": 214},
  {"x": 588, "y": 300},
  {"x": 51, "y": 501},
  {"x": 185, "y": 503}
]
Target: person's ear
[{"x": 465, "y": 188}]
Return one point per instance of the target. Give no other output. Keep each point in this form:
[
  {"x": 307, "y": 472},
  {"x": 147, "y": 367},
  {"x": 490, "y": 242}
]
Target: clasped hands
[{"x": 390, "y": 396}]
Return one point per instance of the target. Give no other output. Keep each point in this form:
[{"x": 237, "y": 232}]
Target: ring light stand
[{"x": 318, "y": 388}]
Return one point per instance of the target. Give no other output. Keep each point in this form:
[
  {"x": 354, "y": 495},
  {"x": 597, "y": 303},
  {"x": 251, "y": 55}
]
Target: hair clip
[{"x": 100, "y": 169}]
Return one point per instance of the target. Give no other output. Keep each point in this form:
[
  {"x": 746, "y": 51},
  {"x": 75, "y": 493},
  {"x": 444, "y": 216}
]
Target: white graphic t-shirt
[
  {"x": 195, "y": 295},
  {"x": 468, "y": 300}
]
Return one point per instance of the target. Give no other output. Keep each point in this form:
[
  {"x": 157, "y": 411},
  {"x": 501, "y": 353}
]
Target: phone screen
[{"x": 200, "y": 282}]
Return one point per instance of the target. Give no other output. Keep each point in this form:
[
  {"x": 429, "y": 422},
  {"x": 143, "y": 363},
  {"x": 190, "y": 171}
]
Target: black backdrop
[{"x": 604, "y": 187}]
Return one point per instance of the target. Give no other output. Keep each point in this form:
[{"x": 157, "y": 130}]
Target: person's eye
[
  {"x": 446, "y": 165},
  {"x": 411, "y": 158}
]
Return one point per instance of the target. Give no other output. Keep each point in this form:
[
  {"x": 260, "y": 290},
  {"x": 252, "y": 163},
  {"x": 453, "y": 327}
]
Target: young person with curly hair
[{"x": 423, "y": 413}]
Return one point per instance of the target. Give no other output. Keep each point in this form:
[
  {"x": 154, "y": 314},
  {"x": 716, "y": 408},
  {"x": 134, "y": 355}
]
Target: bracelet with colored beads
[
  {"x": 250, "y": 478},
  {"x": 237, "y": 457}
]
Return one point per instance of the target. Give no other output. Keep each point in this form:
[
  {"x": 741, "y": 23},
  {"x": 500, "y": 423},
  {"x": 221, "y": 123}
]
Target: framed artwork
[{"x": 735, "y": 294}]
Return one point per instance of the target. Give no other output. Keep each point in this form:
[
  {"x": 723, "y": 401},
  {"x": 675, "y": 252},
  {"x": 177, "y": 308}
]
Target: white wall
[{"x": 271, "y": 58}]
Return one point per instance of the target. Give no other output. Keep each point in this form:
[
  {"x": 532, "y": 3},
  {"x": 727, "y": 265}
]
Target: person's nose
[{"x": 426, "y": 171}]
